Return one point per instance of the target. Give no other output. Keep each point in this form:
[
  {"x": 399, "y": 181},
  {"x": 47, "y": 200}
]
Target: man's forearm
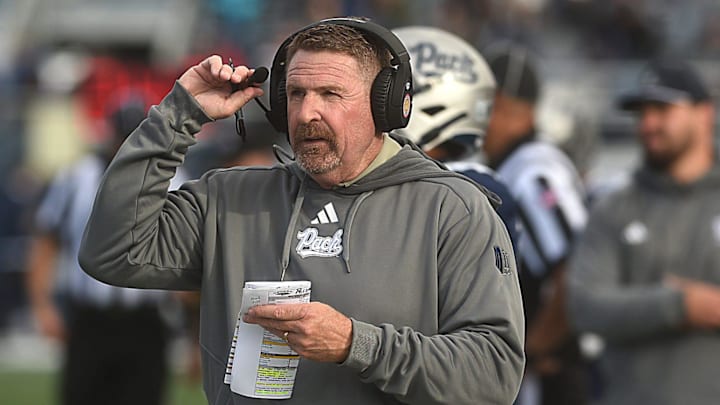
[
  {"x": 624, "y": 313},
  {"x": 129, "y": 239}
]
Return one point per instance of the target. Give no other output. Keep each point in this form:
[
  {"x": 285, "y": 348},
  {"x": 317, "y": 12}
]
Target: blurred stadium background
[{"x": 63, "y": 60}]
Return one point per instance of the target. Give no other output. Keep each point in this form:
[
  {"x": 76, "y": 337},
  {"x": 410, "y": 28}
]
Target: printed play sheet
[{"x": 260, "y": 364}]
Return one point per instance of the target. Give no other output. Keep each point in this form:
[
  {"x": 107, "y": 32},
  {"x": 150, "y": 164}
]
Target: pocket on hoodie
[{"x": 218, "y": 393}]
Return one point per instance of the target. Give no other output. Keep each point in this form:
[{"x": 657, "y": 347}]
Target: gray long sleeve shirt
[
  {"x": 635, "y": 238},
  {"x": 413, "y": 253}
]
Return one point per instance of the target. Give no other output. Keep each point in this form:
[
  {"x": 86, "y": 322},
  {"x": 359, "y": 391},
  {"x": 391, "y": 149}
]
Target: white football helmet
[{"x": 453, "y": 89}]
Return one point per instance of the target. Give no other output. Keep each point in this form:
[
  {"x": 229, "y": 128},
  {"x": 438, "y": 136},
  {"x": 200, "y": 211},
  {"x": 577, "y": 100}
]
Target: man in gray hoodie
[
  {"x": 646, "y": 274},
  {"x": 415, "y": 291}
]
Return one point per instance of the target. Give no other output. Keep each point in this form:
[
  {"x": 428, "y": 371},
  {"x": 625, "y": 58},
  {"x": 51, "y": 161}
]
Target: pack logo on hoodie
[{"x": 312, "y": 244}]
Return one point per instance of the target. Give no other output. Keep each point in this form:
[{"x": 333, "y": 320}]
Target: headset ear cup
[
  {"x": 380, "y": 99},
  {"x": 278, "y": 107},
  {"x": 282, "y": 106}
]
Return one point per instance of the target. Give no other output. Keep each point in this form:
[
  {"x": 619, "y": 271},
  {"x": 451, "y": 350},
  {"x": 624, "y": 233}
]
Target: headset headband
[
  {"x": 395, "y": 46},
  {"x": 391, "y": 95}
]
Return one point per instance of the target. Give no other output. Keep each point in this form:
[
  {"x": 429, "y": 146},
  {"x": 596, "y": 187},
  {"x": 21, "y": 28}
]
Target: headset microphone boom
[{"x": 257, "y": 77}]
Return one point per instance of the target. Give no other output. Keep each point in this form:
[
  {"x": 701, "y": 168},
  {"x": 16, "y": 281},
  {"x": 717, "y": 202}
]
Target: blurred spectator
[
  {"x": 255, "y": 150},
  {"x": 613, "y": 29},
  {"x": 111, "y": 74},
  {"x": 465, "y": 18},
  {"x": 389, "y": 13},
  {"x": 115, "y": 339},
  {"x": 232, "y": 28},
  {"x": 18, "y": 192},
  {"x": 710, "y": 34},
  {"x": 550, "y": 199},
  {"x": 646, "y": 274}
]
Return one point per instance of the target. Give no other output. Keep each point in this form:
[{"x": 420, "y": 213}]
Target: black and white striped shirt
[
  {"x": 63, "y": 213},
  {"x": 551, "y": 203}
]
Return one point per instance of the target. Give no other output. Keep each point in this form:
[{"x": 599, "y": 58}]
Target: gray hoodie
[
  {"x": 414, "y": 254},
  {"x": 635, "y": 238}
]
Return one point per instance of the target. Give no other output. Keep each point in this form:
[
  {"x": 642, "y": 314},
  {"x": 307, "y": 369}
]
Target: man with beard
[
  {"x": 646, "y": 274},
  {"x": 415, "y": 291}
]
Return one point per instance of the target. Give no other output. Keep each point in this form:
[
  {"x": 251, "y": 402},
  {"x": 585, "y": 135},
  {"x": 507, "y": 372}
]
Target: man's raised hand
[{"x": 209, "y": 82}]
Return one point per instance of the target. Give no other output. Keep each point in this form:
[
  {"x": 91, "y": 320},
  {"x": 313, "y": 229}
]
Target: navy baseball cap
[
  {"x": 514, "y": 71},
  {"x": 667, "y": 83},
  {"x": 125, "y": 114}
]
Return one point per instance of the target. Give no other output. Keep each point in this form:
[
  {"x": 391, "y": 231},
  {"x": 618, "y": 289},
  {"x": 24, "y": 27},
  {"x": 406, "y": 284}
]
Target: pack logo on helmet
[
  {"x": 432, "y": 62},
  {"x": 454, "y": 90}
]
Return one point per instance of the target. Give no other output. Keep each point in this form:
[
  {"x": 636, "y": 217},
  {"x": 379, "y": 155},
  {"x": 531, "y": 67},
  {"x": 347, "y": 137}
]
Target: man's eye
[{"x": 296, "y": 93}]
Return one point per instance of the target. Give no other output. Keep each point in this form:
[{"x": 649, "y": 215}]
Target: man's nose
[
  {"x": 310, "y": 109},
  {"x": 650, "y": 120}
]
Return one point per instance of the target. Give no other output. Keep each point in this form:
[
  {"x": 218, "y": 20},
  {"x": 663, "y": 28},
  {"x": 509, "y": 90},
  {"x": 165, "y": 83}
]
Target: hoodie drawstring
[
  {"x": 348, "y": 227},
  {"x": 297, "y": 206},
  {"x": 281, "y": 155}
]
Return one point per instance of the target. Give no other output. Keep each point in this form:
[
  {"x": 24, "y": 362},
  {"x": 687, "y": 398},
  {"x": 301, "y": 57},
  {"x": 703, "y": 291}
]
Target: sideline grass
[{"x": 39, "y": 388}]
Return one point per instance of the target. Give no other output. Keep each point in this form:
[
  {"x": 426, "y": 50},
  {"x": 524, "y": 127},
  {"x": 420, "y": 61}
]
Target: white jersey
[
  {"x": 551, "y": 203},
  {"x": 63, "y": 213}
]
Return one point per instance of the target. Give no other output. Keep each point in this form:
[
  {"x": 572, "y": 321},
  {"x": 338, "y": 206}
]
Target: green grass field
[{"x": 39, "y": 388}]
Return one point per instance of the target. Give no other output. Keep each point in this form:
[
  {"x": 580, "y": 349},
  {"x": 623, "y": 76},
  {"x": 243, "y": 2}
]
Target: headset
[{"x": 391, "y": 93}]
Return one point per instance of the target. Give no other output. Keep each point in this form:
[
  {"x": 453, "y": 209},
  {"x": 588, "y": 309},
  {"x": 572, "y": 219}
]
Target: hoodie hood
[{"x": 409, "y": 164}]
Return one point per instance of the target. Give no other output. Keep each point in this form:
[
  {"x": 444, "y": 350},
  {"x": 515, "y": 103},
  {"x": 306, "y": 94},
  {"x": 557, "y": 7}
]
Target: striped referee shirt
[
  {"x": 551, "y": 203},
  {"x": 63, "y": 213}
]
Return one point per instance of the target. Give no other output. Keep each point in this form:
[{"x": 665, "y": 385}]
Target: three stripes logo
[{"x": 326, "y": 215}]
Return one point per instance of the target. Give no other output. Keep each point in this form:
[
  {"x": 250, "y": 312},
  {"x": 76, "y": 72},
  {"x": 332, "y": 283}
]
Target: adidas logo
[{"x": 326, "y": 215}]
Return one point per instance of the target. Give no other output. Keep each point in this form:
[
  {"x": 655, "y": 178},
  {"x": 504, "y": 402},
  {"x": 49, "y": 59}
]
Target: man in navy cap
[
  {"x": 666, "y": 83},
  {"x": 646, "y": 274}
]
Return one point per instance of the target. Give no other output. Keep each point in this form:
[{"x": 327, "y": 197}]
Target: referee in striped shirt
[
  {"x": 551, "y": 206},
  {"x": 114, "y": 338}
]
